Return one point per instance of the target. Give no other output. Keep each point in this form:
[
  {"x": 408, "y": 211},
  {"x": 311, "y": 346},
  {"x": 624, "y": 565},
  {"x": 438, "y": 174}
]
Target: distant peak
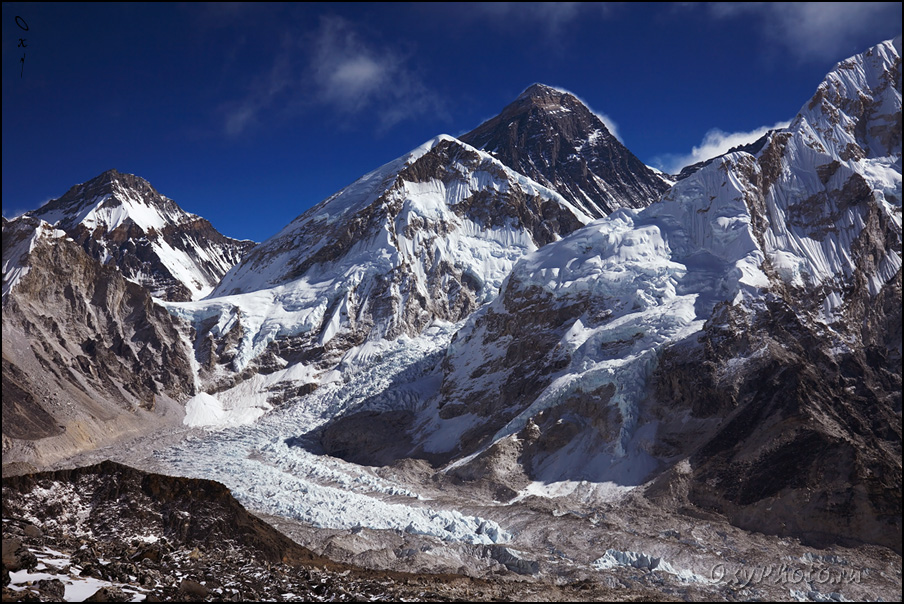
[{"x": 110, "y": 188}]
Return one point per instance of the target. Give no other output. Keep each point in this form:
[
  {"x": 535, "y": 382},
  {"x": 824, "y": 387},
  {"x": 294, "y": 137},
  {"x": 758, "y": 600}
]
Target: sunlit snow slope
[{"x": 428, "y": 237}]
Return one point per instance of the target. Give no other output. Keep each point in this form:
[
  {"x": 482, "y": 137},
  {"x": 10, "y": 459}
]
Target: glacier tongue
[{"x": 267, "y": 469}]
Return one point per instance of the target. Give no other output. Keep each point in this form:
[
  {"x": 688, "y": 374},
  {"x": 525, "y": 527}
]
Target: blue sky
[{"x": 249, "y": 114}]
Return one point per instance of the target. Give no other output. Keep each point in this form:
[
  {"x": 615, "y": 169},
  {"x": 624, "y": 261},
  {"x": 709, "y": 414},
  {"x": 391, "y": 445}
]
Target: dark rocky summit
[{"x": 551, "y": 137}]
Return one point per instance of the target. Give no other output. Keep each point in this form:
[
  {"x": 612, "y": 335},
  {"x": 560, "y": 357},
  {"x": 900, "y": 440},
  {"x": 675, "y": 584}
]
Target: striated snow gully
[{"x": 447, "y": 366}]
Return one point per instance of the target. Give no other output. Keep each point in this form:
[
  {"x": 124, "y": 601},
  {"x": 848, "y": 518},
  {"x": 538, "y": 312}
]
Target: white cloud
[
  {"x": 715, "y": 143},
  {"x": 346, "y": 70},
  {"x": 355, "y": 76},
  {"x": 337, "y": 68},
  {"x": 816, "y": 30}
]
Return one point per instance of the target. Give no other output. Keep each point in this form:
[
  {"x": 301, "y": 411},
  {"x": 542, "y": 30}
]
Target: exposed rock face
[
  {"x": 87, "y": 354},
  {"x": 121, "y": 219},
  {"x": 551, "y": 137},
  {"x": 809, "y": 442},
  {"x": 430, "y": 236},
  {"x": 809, "y": 384}
]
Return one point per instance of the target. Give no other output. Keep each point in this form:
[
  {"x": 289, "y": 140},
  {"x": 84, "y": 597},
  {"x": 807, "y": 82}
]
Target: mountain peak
[
  {"x": 109, "y": 180},
  {"x": 109, "y": 189},
  {"x": 548, "y": 101},
  {"x": 121, "y": 218},
  {"x": 538, "y": 90},
  {"x": 550, "y": 136},
  {"x": 108, "y": 177}
]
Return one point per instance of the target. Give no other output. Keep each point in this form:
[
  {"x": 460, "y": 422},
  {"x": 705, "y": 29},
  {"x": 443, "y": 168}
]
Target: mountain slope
[
  {"x": 121, "y": 218},
  {"x": 428, "y": 237},
  {"x": 88, "y": 356},
  {"x": 551, "y": 137}
]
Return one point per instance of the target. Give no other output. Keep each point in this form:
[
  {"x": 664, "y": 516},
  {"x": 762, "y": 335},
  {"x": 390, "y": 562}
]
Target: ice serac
[
  {"x": 121, "y": 219},
  {"x": 550, "y": 136},
  {"x": 738, "y": 343},
  {"x": 428, "y": 237}
]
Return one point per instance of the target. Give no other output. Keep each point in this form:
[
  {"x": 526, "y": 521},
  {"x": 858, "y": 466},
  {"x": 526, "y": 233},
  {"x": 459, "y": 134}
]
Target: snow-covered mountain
[
  {"x": 428, "y": 237},
  {"x": 749, "y": 319},
  {"x": 88, "y": 355},
  {"x": 550, "y": 136},
  {"x": 121, "y": 218},
  {"x": 530, "y": 311}
]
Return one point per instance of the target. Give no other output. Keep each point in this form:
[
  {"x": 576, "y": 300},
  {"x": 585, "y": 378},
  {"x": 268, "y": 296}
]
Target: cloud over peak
[{"x": 715, "y": 142}]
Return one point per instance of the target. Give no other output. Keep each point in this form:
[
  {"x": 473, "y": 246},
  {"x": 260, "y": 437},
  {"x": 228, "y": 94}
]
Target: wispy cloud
[
  {"x": 268, "y": 93},
  {"x": 715, "y": 143},
  {"x": 815, "y": 30},
  {"x": 348, "y": 71},
  {"x": 15, "y": 212},
  {"x": 354, "y": 76},
  {"x": 551, "y": 17},
  {"x": 337, "y": 68}
]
